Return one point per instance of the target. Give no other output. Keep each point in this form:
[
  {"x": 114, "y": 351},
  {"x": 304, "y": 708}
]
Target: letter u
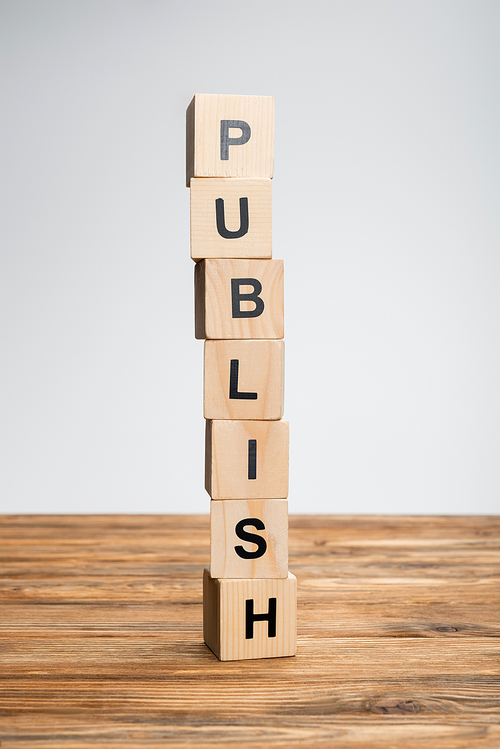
[{"x": 221, "y": 222}]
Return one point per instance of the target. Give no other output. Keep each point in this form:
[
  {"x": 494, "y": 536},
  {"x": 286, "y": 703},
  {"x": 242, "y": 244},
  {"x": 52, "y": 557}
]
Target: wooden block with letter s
[
  {"x": 249, "y": 538},
  {"x": 231, "y": 218},
  {"x": 237, "y": 299},
  {"x": 254, "y": 618},
  {"x": 246, "y": 459},
  {"x": 229, "y": 136},
  {"x": 243, "y": 380}
]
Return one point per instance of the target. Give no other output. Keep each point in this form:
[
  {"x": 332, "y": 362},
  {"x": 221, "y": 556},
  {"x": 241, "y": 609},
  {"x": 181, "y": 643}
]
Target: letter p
[{"x": 226, "y": 141}]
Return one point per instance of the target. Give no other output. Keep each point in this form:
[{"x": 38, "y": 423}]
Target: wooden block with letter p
[
  {"x": 243, "y": 380},
  {"x": 237, "y": 299},
  {"x": 229, "y": 136},
  {"x": 246, "y": 459},
  {"x": 254, "y": 618},
  {"x": 231, "y": 218},
  {"x": 249, "y": 538}
]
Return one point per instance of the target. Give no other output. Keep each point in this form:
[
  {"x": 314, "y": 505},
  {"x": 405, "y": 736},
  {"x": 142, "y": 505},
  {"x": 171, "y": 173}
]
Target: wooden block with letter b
[
  {"x": 249, "y": 538},
  {"x": 243, "y": 380},
  {"x": 245, "y": 619},
  {"x": 246, "y": 459},
  {"x": 231, "y": 218},
  {"x": 229, "y": 136},
  {"x": 237, "y": 299}
]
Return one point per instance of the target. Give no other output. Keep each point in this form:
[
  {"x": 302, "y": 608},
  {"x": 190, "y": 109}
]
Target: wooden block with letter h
[{"x": 250, "y": 618}]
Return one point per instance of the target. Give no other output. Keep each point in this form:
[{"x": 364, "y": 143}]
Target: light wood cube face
[
  {"x": 246, "y": 459},
  {"x": 245, "y": 619},
  {"x": 231, "y": 218},
  {"x": 249, "y": 538},
  {"x": 229, "y": 136},
  {"x": 239, "y": 299},
  {"x": 243, "y": 380}
]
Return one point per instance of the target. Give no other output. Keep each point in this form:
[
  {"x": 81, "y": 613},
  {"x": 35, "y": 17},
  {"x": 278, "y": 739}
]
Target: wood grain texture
[
  {"x": 101, "y": 637},
  {"x": 260, "y": 371},
  {"x": 225, "y": 561},
  {"x": 207, "y": 242},
  {"x": 213, "y": 299},
  {"x": 227, "y": 459},
  {"x": 225, "y": 619},
  {"x": 255, "y": 158}
]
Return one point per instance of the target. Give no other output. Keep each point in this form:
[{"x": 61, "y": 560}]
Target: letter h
[{"x": 250, "y": 618}]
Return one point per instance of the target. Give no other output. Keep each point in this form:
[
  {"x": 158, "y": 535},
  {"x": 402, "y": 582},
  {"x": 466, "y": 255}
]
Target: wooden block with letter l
[
  {"x": 237, "y": 299},
  {"x": 246, "y": 459},
  {"x": 231, "y": 218},
  {"x": 243, "y": 380},
  {"x": 229, "y": 136},
  {"x": 249, "y": 538},
  {"x": 254, "y": 618}
]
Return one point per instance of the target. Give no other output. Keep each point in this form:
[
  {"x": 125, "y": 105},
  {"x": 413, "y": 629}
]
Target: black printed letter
[
  {"x": 226, "y": 141},
  {"x": 233, "y": 384},
  {"x": 221, "y": 222},
  {"x": 251, "y": 537},
  {"x": 237, "y": 297},
  {"x": 250, "y": 618},
  {"x": 252, "y": 459}
]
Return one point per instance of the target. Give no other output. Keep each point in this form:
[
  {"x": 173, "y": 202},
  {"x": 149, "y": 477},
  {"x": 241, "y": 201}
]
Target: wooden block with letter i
[
  {"x": 229, "y": 136},
  {"x": 231, "y": 218},
  {"x": 237, "y": 299},
  {"x": 249, "y": 538},
  {"x": 246, "y": 459},
  {"x": 254, "y": 618},
  {"x": 243, "y": 380}
]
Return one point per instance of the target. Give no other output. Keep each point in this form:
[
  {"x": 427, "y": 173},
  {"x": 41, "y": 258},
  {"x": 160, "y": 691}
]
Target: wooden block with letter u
[
  {"x": 230, "y": 218},
  {"x": 250, "y": 618},
  {"x": 237, "y": 299}
]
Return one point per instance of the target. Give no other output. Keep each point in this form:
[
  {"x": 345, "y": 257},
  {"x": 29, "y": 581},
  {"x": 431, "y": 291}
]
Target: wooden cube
[
  {"x": 237, "y": 299},
  {"x": 243, "y": 380},
  {"x": 245, "y": 619},
  {"x": 231, "y": 218},
  {"x": 229, "y": 136},
  {"x": 246, "y": 459},
  {"x": 249, "y": 538}
]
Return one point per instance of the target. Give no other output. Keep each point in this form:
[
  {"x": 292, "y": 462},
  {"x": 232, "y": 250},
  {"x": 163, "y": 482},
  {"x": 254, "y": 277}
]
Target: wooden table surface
[{"x": 101, "y": 637}]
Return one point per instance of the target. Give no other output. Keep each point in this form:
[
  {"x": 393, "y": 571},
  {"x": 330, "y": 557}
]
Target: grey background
[{"x": 386, "y": 212}]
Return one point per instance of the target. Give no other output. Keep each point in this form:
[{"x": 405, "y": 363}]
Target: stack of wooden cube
[{"x": 249, "y": 597}]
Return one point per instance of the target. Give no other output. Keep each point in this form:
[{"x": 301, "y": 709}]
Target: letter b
[{"x": 237, "y": 297}]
